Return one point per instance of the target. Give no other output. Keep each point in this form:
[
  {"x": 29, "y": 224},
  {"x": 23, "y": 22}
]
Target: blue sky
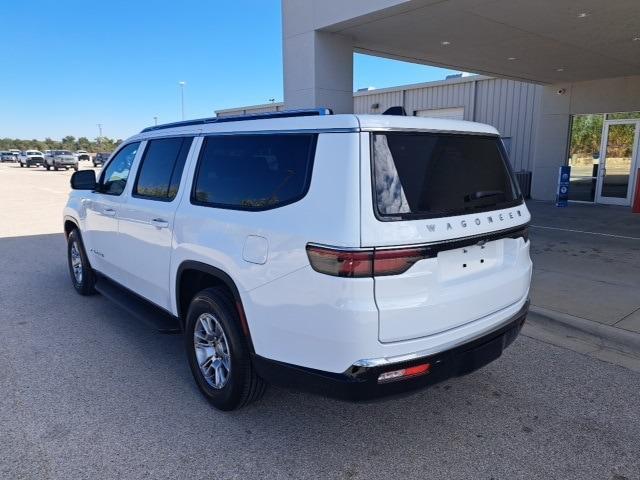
[{"x": 68, "y": 65}]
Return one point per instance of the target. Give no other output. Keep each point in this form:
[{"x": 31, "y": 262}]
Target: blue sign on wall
[{"x": 562, "y": 195}]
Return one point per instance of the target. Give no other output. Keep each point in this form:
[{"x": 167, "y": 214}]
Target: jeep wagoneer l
[{"x": 352, "y": 255}]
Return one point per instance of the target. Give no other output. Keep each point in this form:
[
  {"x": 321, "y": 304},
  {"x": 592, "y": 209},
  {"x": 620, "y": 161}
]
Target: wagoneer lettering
[{"x": 354, "y": 256}]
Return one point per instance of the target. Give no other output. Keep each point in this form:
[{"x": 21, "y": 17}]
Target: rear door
[
  {"x": 456, "y": 195},
  {"x": 146, "y": 220}
]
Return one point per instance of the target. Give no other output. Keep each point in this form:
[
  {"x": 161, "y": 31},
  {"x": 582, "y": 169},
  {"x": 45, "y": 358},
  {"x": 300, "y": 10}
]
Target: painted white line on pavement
[{"x": 588, "y": 233}]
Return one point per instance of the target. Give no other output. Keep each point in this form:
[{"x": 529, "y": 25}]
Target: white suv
[{"x": 352, "y": 255}]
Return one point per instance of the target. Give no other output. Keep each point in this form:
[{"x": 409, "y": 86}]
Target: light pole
[
  {"x": 99, "y": 134},
  {"x": 182, "y": 83},
  {"x": 155, "y": 120}
]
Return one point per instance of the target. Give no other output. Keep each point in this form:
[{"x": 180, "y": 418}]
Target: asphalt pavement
[
  {"x": 587, "y": 263},
  {"x": 87, "y": 391}
]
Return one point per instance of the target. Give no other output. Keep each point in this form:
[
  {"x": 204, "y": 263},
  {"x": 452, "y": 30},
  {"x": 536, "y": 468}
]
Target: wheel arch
[
  {"x": 70, "y": 223},
  {"x": 193, "y": 276}
]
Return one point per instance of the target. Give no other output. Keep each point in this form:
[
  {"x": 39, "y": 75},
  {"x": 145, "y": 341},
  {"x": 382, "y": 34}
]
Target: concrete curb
[{"x": 616, "y": 337}]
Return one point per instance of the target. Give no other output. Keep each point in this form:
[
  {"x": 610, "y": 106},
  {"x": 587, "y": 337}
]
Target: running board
[{"x": 154, "y": 316}]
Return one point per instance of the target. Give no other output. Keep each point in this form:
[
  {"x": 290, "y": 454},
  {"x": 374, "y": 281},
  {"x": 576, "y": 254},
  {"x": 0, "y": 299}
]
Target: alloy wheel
[
  {"x": 76, "y": 263},
  {"x": 212, "y": 350}
]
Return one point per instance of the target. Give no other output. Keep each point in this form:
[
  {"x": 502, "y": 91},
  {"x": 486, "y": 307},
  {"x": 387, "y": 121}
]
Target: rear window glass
[
  {"x": 254, "y": 172},
  {"x": 427, "y": 175}
]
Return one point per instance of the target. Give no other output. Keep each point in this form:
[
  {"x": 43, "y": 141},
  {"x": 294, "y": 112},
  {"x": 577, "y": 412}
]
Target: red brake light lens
[
  {"x": 341, "y": 263},
  {"x": 364, "y": 263},
  {"x": 396, "y": 261},
  {"x": 404, "y": 373}
]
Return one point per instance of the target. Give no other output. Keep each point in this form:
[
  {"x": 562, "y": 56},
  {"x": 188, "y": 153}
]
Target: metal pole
[
  {"x": 99, "y": 135},
  {"x": 155, "y": 120},
  {"x": 182, "y": 84}
]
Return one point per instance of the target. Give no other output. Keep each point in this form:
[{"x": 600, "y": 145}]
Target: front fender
[{"x": 74, "y": 212}]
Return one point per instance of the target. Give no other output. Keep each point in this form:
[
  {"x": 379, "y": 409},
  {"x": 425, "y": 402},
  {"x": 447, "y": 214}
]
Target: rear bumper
[{"x": 361, "y": 382}]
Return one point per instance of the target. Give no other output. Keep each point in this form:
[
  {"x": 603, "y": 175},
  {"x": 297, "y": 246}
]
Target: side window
[
  {"x": 161, "y": 168},
  {"x": 254, "y": 172},
  {"x": 114, "y": 177}
]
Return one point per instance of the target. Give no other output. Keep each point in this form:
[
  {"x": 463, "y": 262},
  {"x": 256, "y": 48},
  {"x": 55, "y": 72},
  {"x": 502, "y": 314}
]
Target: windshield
[
  {"x": 64, "y": 152},
  {"x": 427, "y": 175},
  {"x": 33, "y": 152}
]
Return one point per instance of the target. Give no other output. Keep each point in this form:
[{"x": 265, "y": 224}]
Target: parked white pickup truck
[
  {"x": 31, "y": 157},
  {"x": 83, "y": 155}
]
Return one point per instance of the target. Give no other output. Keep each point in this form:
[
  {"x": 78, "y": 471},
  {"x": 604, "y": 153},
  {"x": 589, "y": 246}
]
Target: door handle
[
  {"x": 110, "y": 212},
  {"x": 159, "y": 223}
]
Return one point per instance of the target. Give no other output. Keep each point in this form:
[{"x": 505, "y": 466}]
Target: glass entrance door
[{"x": 618, "y": 162}]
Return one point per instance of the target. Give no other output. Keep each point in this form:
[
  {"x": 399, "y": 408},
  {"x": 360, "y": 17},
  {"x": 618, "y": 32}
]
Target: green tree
[
  {"x": 49, "y": 144},
  {"x": 586, "y": 133},
  {"x": 69, "y": 142},
  {"x": 83, "y": 143}
]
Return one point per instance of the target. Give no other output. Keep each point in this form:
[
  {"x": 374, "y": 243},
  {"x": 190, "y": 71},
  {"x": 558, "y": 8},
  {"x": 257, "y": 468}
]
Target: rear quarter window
[
  {"x": 430, "y": 175},
  {"x": 254, "y": 172}
]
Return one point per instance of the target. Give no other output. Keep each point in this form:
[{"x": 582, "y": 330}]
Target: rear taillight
[
  {"x": 341, "y": 263},
  {"x": 364, "y": 263},
  {"x": 404, "y": 373},
  {"x": 395, "y": 261}
]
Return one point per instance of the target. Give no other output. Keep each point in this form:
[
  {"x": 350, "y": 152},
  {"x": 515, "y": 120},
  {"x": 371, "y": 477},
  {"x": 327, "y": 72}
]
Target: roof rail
[{"x": 240, "y": 118}]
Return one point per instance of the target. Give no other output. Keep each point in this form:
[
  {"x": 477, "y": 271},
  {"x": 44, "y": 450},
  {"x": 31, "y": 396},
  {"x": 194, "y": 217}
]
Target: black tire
[
  {"x": 21, "y": 165},
  {"x": 55, "y": 166},
  {"x": 47, "y": 166},
  {"x": 84, "y": 286},
  {"x": 75, "y": 168},
  {"x": 243, "y": 385}
]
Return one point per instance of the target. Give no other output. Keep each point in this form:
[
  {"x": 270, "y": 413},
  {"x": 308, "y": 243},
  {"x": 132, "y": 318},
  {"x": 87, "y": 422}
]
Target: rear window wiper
[{"x": 482, "y": 194}]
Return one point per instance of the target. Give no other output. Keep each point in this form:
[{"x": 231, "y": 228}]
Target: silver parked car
[
  {"x": 57, "y": 159},
  {"x": 8, "y": 156}
]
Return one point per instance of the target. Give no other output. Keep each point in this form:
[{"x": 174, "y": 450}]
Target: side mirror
[{"x": 84, "y": 180}]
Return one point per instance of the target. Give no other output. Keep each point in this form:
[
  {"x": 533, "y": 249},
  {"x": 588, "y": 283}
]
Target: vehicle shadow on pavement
[{"x": 88, "y": 388}]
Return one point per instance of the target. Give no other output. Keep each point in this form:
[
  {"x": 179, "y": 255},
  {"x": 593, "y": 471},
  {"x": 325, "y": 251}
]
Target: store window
[
  {"x": 623, "y": 116},
  {"x": 584, "y": 156}
]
